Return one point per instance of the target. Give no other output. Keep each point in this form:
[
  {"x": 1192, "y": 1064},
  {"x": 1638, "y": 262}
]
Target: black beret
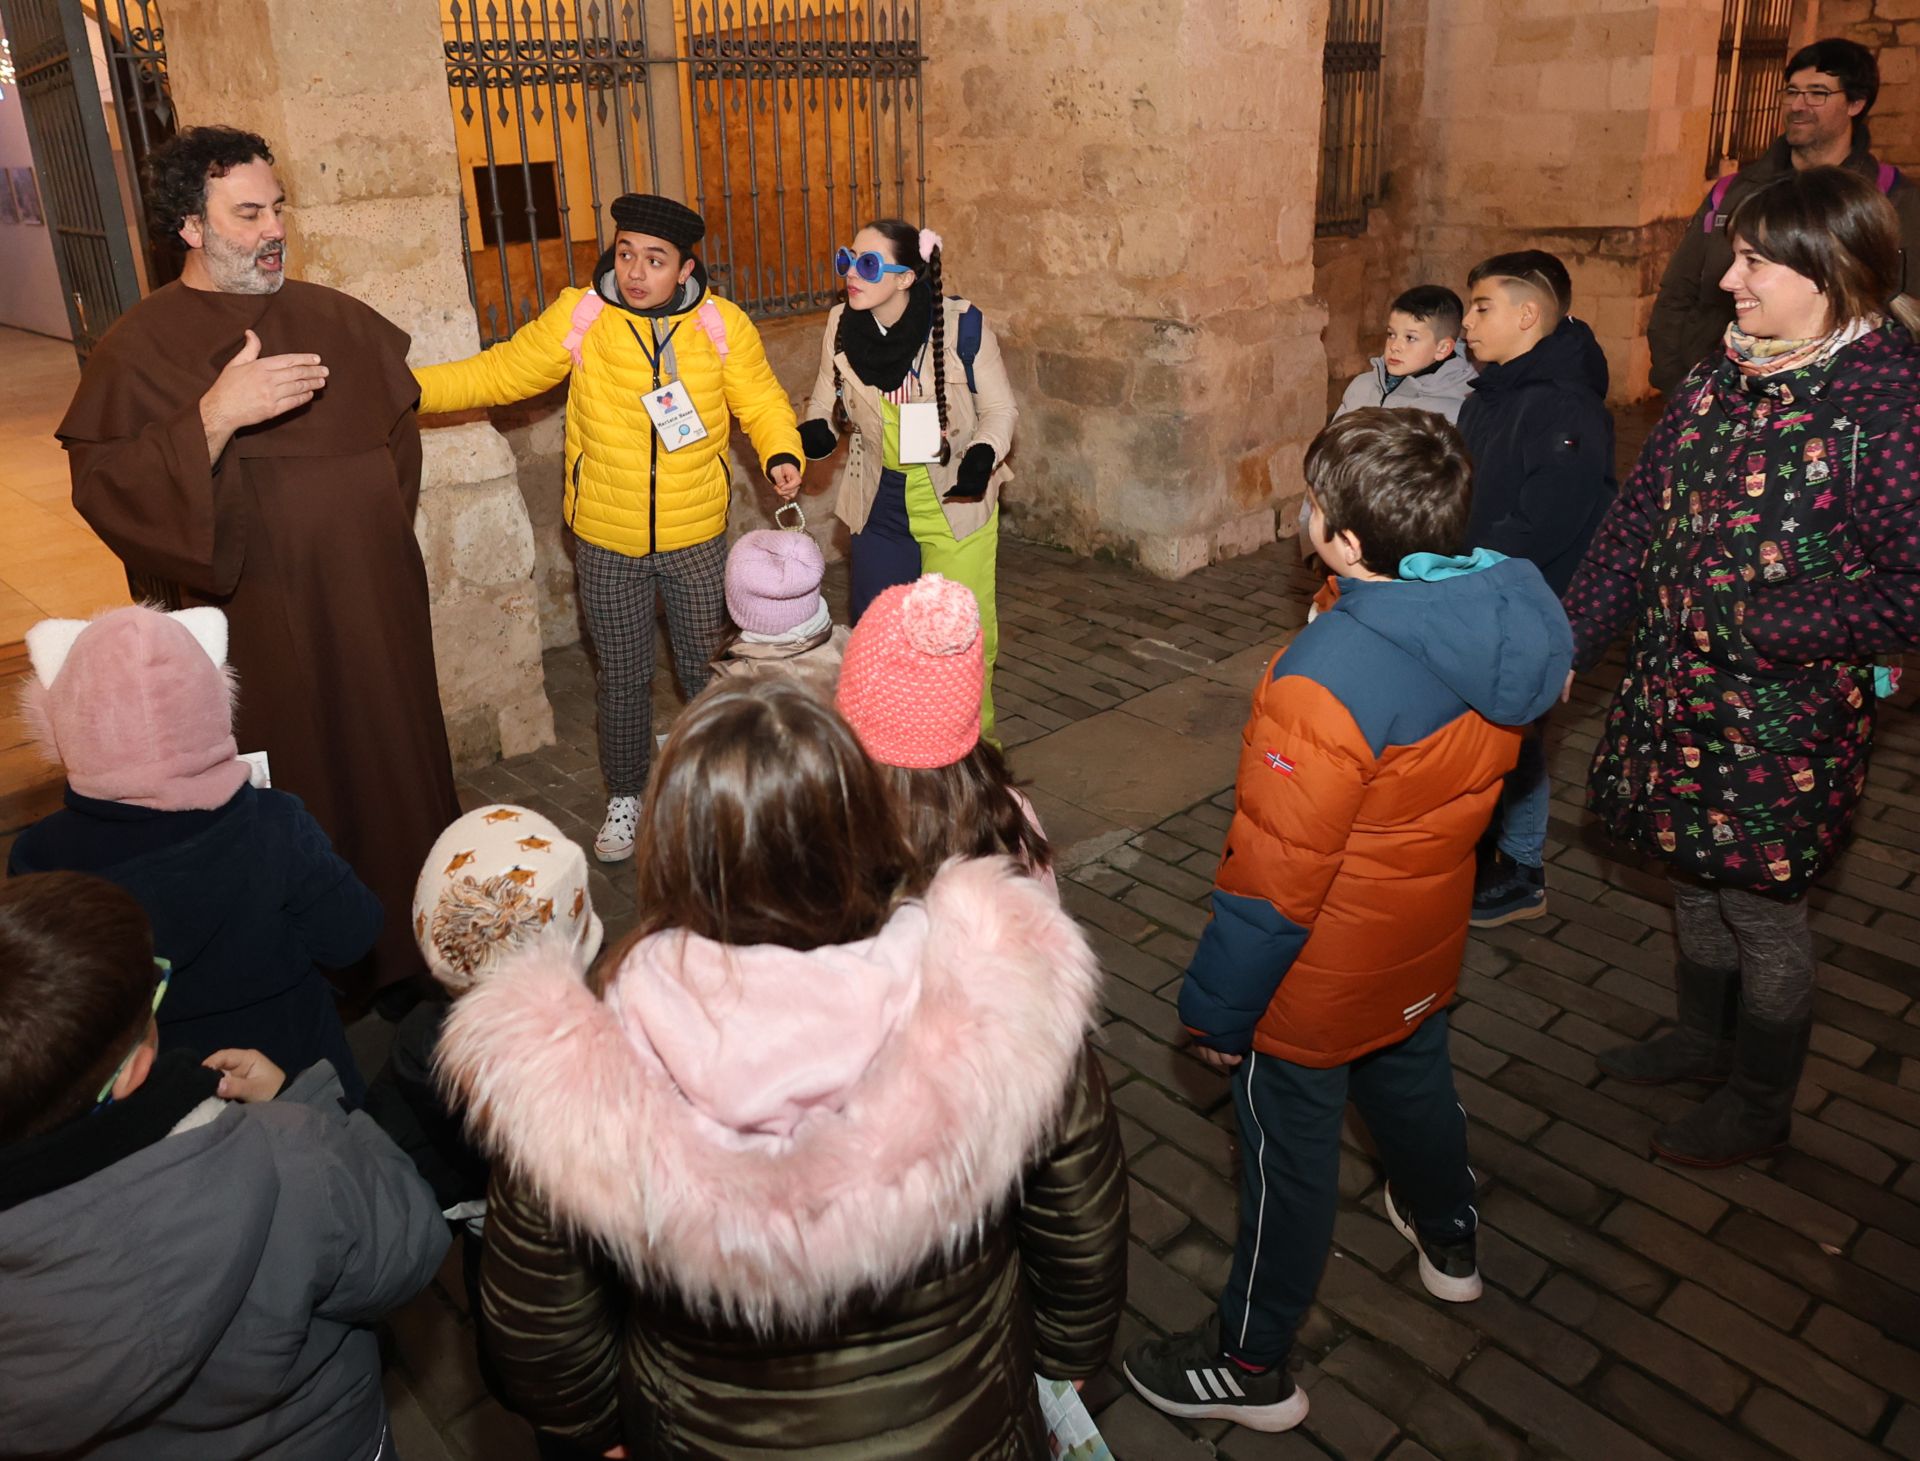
[{"x": 659, "y": 217}]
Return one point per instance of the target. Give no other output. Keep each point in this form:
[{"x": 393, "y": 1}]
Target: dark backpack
[{"x": 967, "y": 346}]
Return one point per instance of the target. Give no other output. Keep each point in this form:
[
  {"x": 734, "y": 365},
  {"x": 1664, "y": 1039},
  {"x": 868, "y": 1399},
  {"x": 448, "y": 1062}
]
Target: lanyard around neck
[{"x": 659, "y": 353}]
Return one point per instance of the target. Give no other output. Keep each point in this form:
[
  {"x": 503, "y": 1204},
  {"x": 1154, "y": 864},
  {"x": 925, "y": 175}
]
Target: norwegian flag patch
[{"x": 1279, "y": 763}]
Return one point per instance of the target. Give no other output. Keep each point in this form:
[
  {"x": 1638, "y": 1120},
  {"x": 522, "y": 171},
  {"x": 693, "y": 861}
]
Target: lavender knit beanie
[{"x": 773, "y": 581}]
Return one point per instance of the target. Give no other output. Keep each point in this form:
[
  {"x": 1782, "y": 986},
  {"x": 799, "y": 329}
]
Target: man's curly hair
[{"x": 174, "y": 181}]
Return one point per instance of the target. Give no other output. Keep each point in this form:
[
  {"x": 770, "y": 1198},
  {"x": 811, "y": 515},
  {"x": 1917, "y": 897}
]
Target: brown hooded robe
[{"x": 303, "y": 533}]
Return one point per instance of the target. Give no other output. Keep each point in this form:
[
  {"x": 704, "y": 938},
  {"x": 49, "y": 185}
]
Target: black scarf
[
  {"x": 883, "y": 360},
  {"x": 76, "y": 1150}
]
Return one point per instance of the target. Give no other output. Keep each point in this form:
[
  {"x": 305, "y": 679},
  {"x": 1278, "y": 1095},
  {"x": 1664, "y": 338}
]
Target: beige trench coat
[{"x": 987, "y": 414}]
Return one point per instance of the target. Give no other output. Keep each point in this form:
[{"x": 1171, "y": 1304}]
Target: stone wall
[
  {"x": 332, "y": 88},
  {"x": 1533, "y": 123},
  {"x": 1127, "y": 190},
  {"x": 1892, "y": 29}
]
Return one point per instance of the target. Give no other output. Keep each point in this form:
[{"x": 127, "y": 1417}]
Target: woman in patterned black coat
[{"x": 1766, "y": 553}]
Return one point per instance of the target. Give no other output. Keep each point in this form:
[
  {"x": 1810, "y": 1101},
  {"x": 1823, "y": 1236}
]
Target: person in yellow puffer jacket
[{"x": 658, "y": 365}]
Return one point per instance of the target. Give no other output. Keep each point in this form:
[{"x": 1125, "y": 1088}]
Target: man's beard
[{"x": 235, "y": 269}]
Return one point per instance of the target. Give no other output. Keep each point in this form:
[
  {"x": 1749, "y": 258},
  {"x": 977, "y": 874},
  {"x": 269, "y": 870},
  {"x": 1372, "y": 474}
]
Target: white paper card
[
  {"x": 257, "y": 770},
  {"x": 919, "y": 432},
  {"x": 675, "y": 416}
]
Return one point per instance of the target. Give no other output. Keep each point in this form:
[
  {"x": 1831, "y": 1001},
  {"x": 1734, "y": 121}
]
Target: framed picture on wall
[
  {"x": 26, "y": 196},
  {"x": 8, "y": 213}
]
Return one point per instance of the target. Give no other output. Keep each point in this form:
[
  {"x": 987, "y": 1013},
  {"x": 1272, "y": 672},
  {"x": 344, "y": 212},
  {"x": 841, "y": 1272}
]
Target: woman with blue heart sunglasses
[{"x": 921, "y": 490}]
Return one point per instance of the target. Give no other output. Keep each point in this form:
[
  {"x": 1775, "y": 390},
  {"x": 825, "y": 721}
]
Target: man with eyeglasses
[{"x": 1830, "y": 88}]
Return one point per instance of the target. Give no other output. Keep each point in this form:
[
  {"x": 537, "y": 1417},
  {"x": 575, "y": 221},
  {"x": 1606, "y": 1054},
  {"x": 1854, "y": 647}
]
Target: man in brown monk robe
[{"x": 248, "y": 441}]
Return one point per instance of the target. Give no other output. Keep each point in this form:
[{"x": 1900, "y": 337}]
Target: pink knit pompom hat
[
  {"x": 911, "y": 681},
  {"x": 138, "y": 706},
  {"x": 773, "y": 581}
]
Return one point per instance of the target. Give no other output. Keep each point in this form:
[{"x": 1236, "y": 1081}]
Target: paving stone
[
  {"x": 1373, "y": 1304},
  {"x": 1241, "y": 1444},
  {"x": 1903, "y": 1436},
  {"x": 1571, "y": 1101},
  {"x": 1163, "y": 1296},
  {"x": 1496, "y": 1108},
  {"x": 1191, "y": 1132},
  {"x": 1517, "y": 1270},
  {"x": 1864, "y": 1350},
  {"x": 1210, "y": 1198},
  {"x": 1438, "y": 1417},
  {"x": 1713, "y": 1264},
  {"x": 1774, "y": 1356},
  {"x": 1524, "y": 1169},
  {"x": 1102, "y": 912},
  {"x": 1890, "y": 1257},
  {"x": 1135, "y": 1431},
  {"x": 1655, "y": 1347},
  {"x": 1344, "y": 1423},
  {"x": 1147, "y": 868},
  {"x": 1883, "y": 1131},
  {"x": 1150, "y": 1217},
  {"x": 1847, "y": 1153},
  {"x": 1826, "y": 1275},
  {"x": 1679, "y": 1428},
  {"x": 1796, "y": 1430},
  {"x": 1165, "y": 909},
  {"x": 1411, "y": 1450},
  {"x": 1633, "y": 1175},
  {"x": 1514, "y": 1038},
  {"x": 1540, "y": 1408},
  {"x": 1889, "y": 1212},
  {"x": 1788, "y": 1206},
  {"x": 1572, "y": 1245},
  {"x": 1509, "y": 1000},
  {"x": 1469, "y": 1054},
  {"x": 1525, "y": 1332},
  {"x": 1369, "y": 1238},
  {"x": 1628, "y": 1020},
  {"x": 1182, "y": 1074},
  {"x": 1135, "y": 965}
]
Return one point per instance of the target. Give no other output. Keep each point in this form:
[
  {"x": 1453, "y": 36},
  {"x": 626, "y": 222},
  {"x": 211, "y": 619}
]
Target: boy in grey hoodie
[
  {"x": 187, "y": 1277},
  {"x": 1422, "y": 367}
]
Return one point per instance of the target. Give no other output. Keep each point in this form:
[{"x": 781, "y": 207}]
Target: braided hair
[{"x": 903, "y": 242}]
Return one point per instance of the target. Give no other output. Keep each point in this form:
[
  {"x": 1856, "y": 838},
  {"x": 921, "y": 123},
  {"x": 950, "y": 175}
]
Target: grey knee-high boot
[
  {"x": 1752, "y": 1114},
  {"x": 1699, "y": 1047}
]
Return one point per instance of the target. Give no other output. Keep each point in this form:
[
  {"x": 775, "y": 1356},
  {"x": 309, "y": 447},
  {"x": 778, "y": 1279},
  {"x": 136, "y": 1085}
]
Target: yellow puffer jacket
[{"x": 623, "y": 492}]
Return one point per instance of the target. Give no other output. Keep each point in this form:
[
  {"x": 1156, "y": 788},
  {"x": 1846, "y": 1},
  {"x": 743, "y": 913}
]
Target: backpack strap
[
  {"x": 709, "y": 318},
  {"x": 1716, "y": 196},
  {"x": 1889, "y": 175},
  {"x": 585, "y": 311},
  {"x": 967, "y": 345}
]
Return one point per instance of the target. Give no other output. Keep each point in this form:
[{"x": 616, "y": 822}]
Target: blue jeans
[
  {"x": 1520, "y": 821},
  {"x": 1290, "y": 1119}
]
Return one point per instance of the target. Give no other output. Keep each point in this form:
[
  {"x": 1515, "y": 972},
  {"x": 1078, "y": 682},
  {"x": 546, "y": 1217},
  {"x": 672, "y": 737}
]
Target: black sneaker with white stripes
[
  {"x": 1188, "y": 1375},
  {"x": 1450, "y": 1271}
]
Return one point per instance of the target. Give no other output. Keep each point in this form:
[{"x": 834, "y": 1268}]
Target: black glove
[
  {"x": 817, "y": 439},
  {"x": 976, "y": 467}
]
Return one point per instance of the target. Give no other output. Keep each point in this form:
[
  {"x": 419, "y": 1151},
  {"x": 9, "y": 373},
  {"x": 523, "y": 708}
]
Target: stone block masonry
[{"x": 1127, "y": 190}]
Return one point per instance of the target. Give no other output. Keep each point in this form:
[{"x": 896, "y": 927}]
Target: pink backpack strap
[
  {"x": 585, "y": 312},
  {"x": 710, "y": 320},
  {"x": 1716, "y": 195},
  {"x": 1889, "y": 175}
]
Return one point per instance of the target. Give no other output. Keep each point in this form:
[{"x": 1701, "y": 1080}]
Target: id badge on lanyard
[
  {"x": 676, "y": 420},
  {"x": 919, "y": 431}
]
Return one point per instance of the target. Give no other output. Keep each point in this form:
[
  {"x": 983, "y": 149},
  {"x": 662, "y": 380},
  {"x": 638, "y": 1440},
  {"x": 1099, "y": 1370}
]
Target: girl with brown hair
[
  {"x": 822, "y": 1169},
  {"x": 1765, "y": 552}
]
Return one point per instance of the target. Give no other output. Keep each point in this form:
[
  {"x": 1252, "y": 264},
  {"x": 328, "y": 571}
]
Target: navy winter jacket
[
  {"x": 1541, "y": 439},
  {"x": 248, "y": 901}
]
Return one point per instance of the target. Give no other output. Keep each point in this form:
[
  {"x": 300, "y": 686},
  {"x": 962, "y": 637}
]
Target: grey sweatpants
[{"x": 1766, "y": 939}]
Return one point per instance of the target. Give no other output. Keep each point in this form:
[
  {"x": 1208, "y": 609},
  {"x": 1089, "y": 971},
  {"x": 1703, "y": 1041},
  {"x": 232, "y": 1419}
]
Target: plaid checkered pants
[{"x": 618, "y": 595}]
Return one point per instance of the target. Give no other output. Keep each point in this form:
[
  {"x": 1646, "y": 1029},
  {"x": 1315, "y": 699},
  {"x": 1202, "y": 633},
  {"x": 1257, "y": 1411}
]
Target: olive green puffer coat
[{"x": 838, "y": 1204}]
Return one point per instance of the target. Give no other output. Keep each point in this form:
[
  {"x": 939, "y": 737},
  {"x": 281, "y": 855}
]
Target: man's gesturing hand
[{"x": 251, "y": 390}]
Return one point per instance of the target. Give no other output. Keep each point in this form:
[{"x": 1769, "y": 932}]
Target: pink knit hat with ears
[
  {"x": 911, "y": 681},
  {"x": 138, "y": 706}
]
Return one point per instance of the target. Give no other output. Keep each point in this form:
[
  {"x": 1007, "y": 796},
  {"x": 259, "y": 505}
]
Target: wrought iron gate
[
  {"x": 1746, "y": 82},
  {"x": 785, "y": 122},
  {"x": 67, "y": 130}
]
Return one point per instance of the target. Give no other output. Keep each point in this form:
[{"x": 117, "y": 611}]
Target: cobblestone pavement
[{"x": 1632, "y": 1310}]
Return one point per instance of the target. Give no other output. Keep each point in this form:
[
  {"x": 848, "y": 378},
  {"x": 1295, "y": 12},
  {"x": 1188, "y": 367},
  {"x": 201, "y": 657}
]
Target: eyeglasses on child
[{"x": 870, "y": 266}]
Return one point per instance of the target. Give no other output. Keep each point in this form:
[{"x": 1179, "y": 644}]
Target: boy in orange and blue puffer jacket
[{"x": 1368, "y": 771}]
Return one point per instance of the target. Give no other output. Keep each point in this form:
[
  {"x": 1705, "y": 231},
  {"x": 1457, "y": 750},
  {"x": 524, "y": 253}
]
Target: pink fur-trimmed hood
[{"x": 770, "y": 1132}]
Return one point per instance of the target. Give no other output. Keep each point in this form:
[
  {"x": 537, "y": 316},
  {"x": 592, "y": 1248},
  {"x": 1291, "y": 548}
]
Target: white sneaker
[{"x": 615, "y": 842}]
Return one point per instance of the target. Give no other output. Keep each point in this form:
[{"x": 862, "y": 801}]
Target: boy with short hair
[
  {"x": 658, "y": 367},
  {"x": 1541, "y": 439},
  {"x": 187, "y": 1280},
  {"x": 1368, "y": 770},
  {"x": 1421, "y": 367}
]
